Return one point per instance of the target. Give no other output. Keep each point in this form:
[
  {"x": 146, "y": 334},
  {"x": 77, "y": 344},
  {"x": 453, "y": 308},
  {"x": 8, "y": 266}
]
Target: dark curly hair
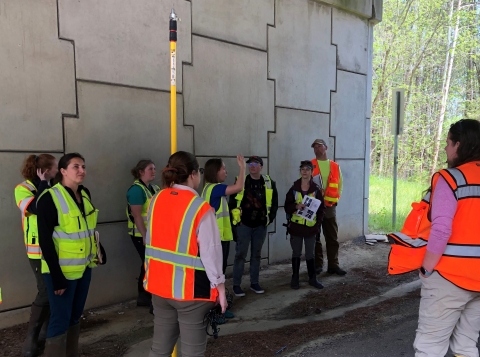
[{"x": 467, "y": 132}]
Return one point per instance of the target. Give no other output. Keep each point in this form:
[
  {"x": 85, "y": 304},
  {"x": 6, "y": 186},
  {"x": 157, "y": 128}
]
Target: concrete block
[
  {"x": 295, "y": 132},
  {"x": 243, "y": 22},
  {"x": 115, "y": 281},
  {"x": 368, "y": 130},
  {"x": 348, "y": 115},
  {"x": 126, "y": 42},
  {"x": 301, "y": 58},
  {"x": 350, "y": 33},
  {"x": 366, "y": 202},
  {"x": 134, "y": 124},
  {"x": 37, "y": 80},
  {"x": 228, "y": 99},
  {"x": 350, "y": 209}
]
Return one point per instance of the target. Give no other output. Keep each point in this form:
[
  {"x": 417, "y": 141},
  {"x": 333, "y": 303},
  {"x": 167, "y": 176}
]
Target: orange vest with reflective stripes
[
  {"x": 460, "y": 262},
  {"x": 173, "y": 267},
  {"x": 332, "y": 192}
]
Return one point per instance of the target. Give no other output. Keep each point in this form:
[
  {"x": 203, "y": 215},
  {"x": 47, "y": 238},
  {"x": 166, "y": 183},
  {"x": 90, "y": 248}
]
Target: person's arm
[
  {"x": 238, "y": 185},
  {"x": 232, "y": 202},
  {"x": 444, "y": 206},
  {"x": 32, "y": 206},
  {"x": 274, "y": 208},
  {"x": 47, "y": 219},
  {"x": 136, "y": 199},
  {"x": 322, "y": 208},
  {"x": 138, "y": 219},
  {"x": 290, "y": 204},
  {"x": 340, "y": 183}
]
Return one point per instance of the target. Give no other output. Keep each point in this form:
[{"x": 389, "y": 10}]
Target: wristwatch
[{"x": 424, "y": 272}]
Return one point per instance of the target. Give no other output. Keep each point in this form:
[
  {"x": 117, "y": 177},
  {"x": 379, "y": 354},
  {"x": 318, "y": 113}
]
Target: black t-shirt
[{"x": 254, "y": 208}]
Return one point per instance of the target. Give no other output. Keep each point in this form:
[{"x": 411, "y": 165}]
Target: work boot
[
  {"x": 42, "y": 336},
  {"x": 336, "y": 270},
  {"x": 294, "y": 283},
  {"x": 38, "y": 314},
  {"x": 312, "y": 276},
  {"x": 56, "y": 346},
  {"x": 73, "y": 333}
]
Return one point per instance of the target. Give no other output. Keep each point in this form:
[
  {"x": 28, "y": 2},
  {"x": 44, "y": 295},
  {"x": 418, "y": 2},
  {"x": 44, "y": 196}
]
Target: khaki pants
[
  {"x": 330, "y": 231},
  {"x": 174, "y": 318},
  {"x": 448, "y": 315}
]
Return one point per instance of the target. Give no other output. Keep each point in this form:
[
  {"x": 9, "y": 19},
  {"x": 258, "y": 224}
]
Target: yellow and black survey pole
[{"x": 173, "y": 83}]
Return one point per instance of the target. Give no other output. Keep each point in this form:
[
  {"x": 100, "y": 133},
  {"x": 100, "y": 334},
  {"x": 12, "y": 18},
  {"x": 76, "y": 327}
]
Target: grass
[{"x": 381, "y": 202}]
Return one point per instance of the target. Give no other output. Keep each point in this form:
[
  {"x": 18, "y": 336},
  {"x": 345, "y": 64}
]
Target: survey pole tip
[{"x": 173, "y": 15}]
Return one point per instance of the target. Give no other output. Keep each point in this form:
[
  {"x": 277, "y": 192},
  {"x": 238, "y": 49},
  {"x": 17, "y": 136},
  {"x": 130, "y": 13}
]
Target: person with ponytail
[
  {"x": 139, "y": 196},
  {"x": 183, "y": 260},
  {"x": 38, "y": 172},
  {"x": 67, "y": 220},
  {"x": 215, "y": 193}
]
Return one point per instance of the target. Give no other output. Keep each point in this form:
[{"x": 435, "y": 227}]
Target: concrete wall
[{"x": 263, "y": 77}]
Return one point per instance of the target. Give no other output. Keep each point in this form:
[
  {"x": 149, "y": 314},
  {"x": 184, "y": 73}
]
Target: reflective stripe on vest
[
  {"x": 132, "y": 228},
  {"x": 332, "y": 193},
  {"x": 222, "y": 213},
  {"x": 298, "y": 219},
  {"x": 268, "y": 195}
]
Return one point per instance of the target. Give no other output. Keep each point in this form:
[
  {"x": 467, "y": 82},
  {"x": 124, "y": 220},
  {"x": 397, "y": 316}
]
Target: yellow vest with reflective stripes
[
  {"x": 299, "y": 219},
  {"x": 132, "y": 228},
  {"x": 222, "y": 213},
  {"x": 268, "y": 195},
  {"x": 24, "y": 194},
  {"x": 74, "y": 237}
]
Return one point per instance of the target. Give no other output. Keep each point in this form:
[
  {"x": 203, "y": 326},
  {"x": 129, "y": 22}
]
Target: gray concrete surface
[{"x": 93, "y": 77}]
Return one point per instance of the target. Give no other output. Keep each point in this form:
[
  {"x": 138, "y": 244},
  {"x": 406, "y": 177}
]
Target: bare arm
[
  {"x": 238, "y": 186},
  {"x": 137, "y": 217}
]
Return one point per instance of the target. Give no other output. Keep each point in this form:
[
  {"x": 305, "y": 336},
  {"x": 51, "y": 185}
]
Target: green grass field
[{"x": 381, "y": 201}]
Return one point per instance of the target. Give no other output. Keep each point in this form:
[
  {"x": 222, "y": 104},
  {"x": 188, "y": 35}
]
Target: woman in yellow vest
[
  {"x": 449, "y": 314},
  {"x": 302, "y": 229},
  {"x": 183, "y": 260},
  {"x": 38, "y": 171},
  {"x": 215, "y": 193},
  {"x": 139, "y": 196},
  {"x": 66, "y": 226}
]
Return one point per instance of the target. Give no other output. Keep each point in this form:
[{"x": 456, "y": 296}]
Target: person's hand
[
  {"x": 300, "y": 206},
  {"x": 241, "y": 161},
  {"x": 59, "y": 292},
  {"x": 222, "y": 300},
  {"x": 41, "y": 175}
]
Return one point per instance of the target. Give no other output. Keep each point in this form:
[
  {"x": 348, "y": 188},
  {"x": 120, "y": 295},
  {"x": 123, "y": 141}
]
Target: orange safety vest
[
  {"x": 460, "y": 262},
  {"x": 173, "y": 268},
  {"x": 332, "y": 193}
]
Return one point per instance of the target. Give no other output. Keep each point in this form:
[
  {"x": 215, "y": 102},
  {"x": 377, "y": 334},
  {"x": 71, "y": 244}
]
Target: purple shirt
[{"x": 444, "y": 207}]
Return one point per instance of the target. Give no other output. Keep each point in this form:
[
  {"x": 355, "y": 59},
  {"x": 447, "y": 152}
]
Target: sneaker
[
  {"x": 257, "y": 288},
  {"x": 237, "y": 290},
  {"x": 229, "y": 315},
  {"x": 336, "y": 270}
]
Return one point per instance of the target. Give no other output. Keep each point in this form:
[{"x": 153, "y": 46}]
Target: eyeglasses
[
  {"x": 201, "y": 170},
  {"x": 253, "y": 164}
]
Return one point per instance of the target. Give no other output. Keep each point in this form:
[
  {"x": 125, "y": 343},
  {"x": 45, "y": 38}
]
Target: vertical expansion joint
[{"x": 173, "y": 26}]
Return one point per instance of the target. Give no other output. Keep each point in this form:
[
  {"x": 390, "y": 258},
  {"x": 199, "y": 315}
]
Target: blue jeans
[
  {"x": 247, "y": 236},
  {"x": 66, "y": 309}
]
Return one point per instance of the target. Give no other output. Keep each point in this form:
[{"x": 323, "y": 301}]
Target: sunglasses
[
  {"x": 201, "y": 170},
  {"x": 254, "y": 164}
]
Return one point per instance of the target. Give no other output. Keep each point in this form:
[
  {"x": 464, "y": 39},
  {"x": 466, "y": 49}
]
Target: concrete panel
[
  {"x": 243, "y": 22},
  {"x": 279, "y": 246},
  {"x": 365, "y": 216},
  {"x": 350, "y": 208},
  {"x": 126, "y": 42},
  {"x": 228, "y": 99},
  {"x": 348, "y": 115},
  {"x": 295, "y": 132},
  {"x": 370, "y": 72},
  {"x": 350, "y": 34},
  {"x": 367, "y": 157},
  {"x": 300, "y": 56},
  {"x": 368, "y": 9},
  {"x": 18, "y": 289},
  {"x": 117, "y": 127},
  {"x": 115, "y": 281},
  {"x": 37, "y": 80}
]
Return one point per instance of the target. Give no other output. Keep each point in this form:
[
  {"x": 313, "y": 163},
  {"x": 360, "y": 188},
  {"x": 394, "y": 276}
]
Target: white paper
[{"x": 311, "y": 207}]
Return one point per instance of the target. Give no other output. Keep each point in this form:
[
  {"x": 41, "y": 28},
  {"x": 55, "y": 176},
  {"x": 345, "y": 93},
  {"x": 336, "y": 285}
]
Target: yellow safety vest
[
  {"x": 74, "y": 237},
  {"x": 222, "y": 213},
  {"x": 299, "y": 219},
  {"x": 268, "y": 195},
  {"x": 24, "y": 194},
  {"x": 132, "y": 228}
]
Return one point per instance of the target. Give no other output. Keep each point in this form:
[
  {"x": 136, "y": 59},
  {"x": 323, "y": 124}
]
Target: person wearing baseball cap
[
  {"x": 257, "y": 205},
  {"x": 328, "y": 172}
]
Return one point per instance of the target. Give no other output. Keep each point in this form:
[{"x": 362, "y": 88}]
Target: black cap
[
  {"x": 255, "y": 159},
  {"x": 306, "y": 163}
]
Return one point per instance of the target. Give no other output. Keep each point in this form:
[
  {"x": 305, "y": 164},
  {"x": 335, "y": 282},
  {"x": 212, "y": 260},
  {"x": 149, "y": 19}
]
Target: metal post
[
  {"x": 395, "y": 157},
  {"x": 173, "y": 81}
]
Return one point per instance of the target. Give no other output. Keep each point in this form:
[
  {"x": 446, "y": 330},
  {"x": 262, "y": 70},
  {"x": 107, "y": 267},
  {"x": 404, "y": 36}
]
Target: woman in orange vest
[
  {"x": 183, "y": 260},
  {"x": 450, "y": 305},
  {"x": 38, "y": 171}
]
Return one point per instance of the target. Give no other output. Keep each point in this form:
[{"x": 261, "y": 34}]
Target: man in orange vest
[{"x": 327, "y": 173}]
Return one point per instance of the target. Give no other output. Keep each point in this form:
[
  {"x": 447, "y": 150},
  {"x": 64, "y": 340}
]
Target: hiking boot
[
  {"x": 257, "y": 288},
  {"x": 336, "y": 270},
  {"x": 294, "y": 283},
  {"x": 56, "y": 346},
  {"x": 34, "y": 343},
  {"x": 312, "y": 276},
  {"x": 237, "y": 290},
  {"x": 73, "y": 334}
]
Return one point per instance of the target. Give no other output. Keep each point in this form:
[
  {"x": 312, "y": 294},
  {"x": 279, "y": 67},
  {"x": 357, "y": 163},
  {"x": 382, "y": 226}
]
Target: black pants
[
  {"x": 225, "y": 251},
  {"x": 42, "y": 295},
  {"x": 138, "y": 243}
]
